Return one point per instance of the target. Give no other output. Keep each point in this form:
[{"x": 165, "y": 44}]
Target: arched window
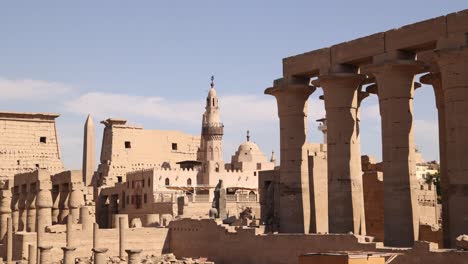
[
  {"x": 217, "y": 167},
  {"x": 213, "y": 102},
  {"x": 167, "y": 182},
  {"x": 216, "y": 153},
  {"x": 189, "y": 182}
]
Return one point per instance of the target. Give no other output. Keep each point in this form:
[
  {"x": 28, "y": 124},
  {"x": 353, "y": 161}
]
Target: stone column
[
  {"x": 44, "y": 209},
  {"x": 394, "y": 73},
  {"x": 32, "y": 254},
  {"x": 99, "y": 255},
  {"x": 75, "y": 201},
  {"x": 14, "y": 208},
  {"x": 22, "y": 212},
  {"x": 345, "y": 194},
  {"x": 68, "y": 255},
  {"x": 9, "y": 246},
  {"x": 45, "y": 254},
  {"x": 294, "y": 201},
  {"x": 133, "y": 256},
  {"x": 31, "y": 209},
  {"x": 122, "y": 237},
  {"x": 63, "y": 203},
  {"x": 96, "y": 241},
  {"x": 435, "y": 80},
  {"x": 5, "y": 212},
  {"x": 69, "y": 232},
  {"x": 85, "y": 219},
  {"x": 452, "y": 58}
]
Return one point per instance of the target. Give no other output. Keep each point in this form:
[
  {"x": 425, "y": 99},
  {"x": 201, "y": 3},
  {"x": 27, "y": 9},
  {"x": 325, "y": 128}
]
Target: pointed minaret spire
[
  {"x": 88, "y": 151},
  {"x": 273, "y": 158},
  {"x": 212, "y": 81},
  {"x": 248, "y": 135}
]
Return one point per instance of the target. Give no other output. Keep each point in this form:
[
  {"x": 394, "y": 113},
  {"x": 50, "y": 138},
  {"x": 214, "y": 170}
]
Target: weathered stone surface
[{"x": 462, "y": 242}]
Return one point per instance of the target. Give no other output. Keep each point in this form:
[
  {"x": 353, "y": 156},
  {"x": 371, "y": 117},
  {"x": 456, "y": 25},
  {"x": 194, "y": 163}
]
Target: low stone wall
[
  {"x": 150, "y": 240},
  {"x": 204, "y": 238}
]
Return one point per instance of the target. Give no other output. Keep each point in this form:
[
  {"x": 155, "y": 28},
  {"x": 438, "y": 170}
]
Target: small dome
[{"x": 248, "y": 146}]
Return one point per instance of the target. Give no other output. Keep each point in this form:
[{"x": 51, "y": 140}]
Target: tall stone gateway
[
  {"x": 89, "y": 148},
  {"x": 294, "y": 199},
  {"x": 28, "y": 141}
]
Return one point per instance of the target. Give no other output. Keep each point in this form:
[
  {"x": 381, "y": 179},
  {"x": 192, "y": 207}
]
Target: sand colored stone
[
  {"x": 345, "y": 199},
  {"x": 294, "y": 200}
]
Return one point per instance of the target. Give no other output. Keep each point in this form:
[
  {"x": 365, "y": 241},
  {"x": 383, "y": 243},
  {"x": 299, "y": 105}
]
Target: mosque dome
[
  {"x": 249, "y": 152},
  {"x": 248, "y": 147}
]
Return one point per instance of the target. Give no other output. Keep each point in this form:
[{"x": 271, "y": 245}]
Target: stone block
[
  {"x": 307, "y": 64},
  {"x": 462, "y": 242},
  {"x": 416, "y": 36},
  {"x": 457, "y": 22},
  {"x": 358, "y": 50}
]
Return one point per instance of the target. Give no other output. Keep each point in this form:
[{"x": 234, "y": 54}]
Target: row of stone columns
[{"x": 394, "y": 74}]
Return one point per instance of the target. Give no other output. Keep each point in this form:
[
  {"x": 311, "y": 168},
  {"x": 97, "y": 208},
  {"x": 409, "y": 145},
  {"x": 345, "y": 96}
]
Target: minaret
[
  {"x": 323, "y": 127},
  {"x": 211, "y": 147},
  {"x": 273, "y": 158},
  {"x": 88, "y": 151}
]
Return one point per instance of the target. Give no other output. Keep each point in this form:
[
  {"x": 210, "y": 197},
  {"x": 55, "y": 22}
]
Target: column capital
[
  {"x": 68, "y": 248},
  {"x": 100, "y": 250},
  {"x": 133, "y": 251},
  {"x": 452, "y": 58},
  {"x": 44, "y": 248},
  {"x": 340, "y": 89},
  {"x": 291, "y": 95},
  {"x": 290, "y": 85}
]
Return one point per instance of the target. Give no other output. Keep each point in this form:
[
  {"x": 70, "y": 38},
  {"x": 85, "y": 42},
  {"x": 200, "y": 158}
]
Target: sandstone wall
[
  {"x": 150, "y": 240},
  {"x": 28, "y": 141},
  {"x": 204, "y": 238},
  {"x": 128, "y": 148}
]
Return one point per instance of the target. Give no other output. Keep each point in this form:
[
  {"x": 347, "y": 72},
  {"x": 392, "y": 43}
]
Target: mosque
[{"x": 144, "y": 173}]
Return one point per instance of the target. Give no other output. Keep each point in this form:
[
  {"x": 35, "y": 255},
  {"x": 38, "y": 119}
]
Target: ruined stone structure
[
  {"x": 186, "y": 188},
  {"x": 153, "y": 192},
  {"x": 128, "y": 148},
  {"x": 390, "y": 60}
]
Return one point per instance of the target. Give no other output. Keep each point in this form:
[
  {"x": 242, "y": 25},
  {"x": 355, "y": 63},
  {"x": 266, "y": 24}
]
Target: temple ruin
[{"x": 159, "y": 196}]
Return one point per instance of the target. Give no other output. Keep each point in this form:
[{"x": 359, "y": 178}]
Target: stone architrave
[
  {"x": 394, "y": 73},
  {"x": 293, "y": 188},
  {"x": 452, "y": 59},
  {"x": 345, "y": 192}
]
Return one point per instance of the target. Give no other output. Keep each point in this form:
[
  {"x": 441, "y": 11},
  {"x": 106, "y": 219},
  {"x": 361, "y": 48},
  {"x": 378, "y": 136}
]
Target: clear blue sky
[{"x": 127, "y": 58}]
